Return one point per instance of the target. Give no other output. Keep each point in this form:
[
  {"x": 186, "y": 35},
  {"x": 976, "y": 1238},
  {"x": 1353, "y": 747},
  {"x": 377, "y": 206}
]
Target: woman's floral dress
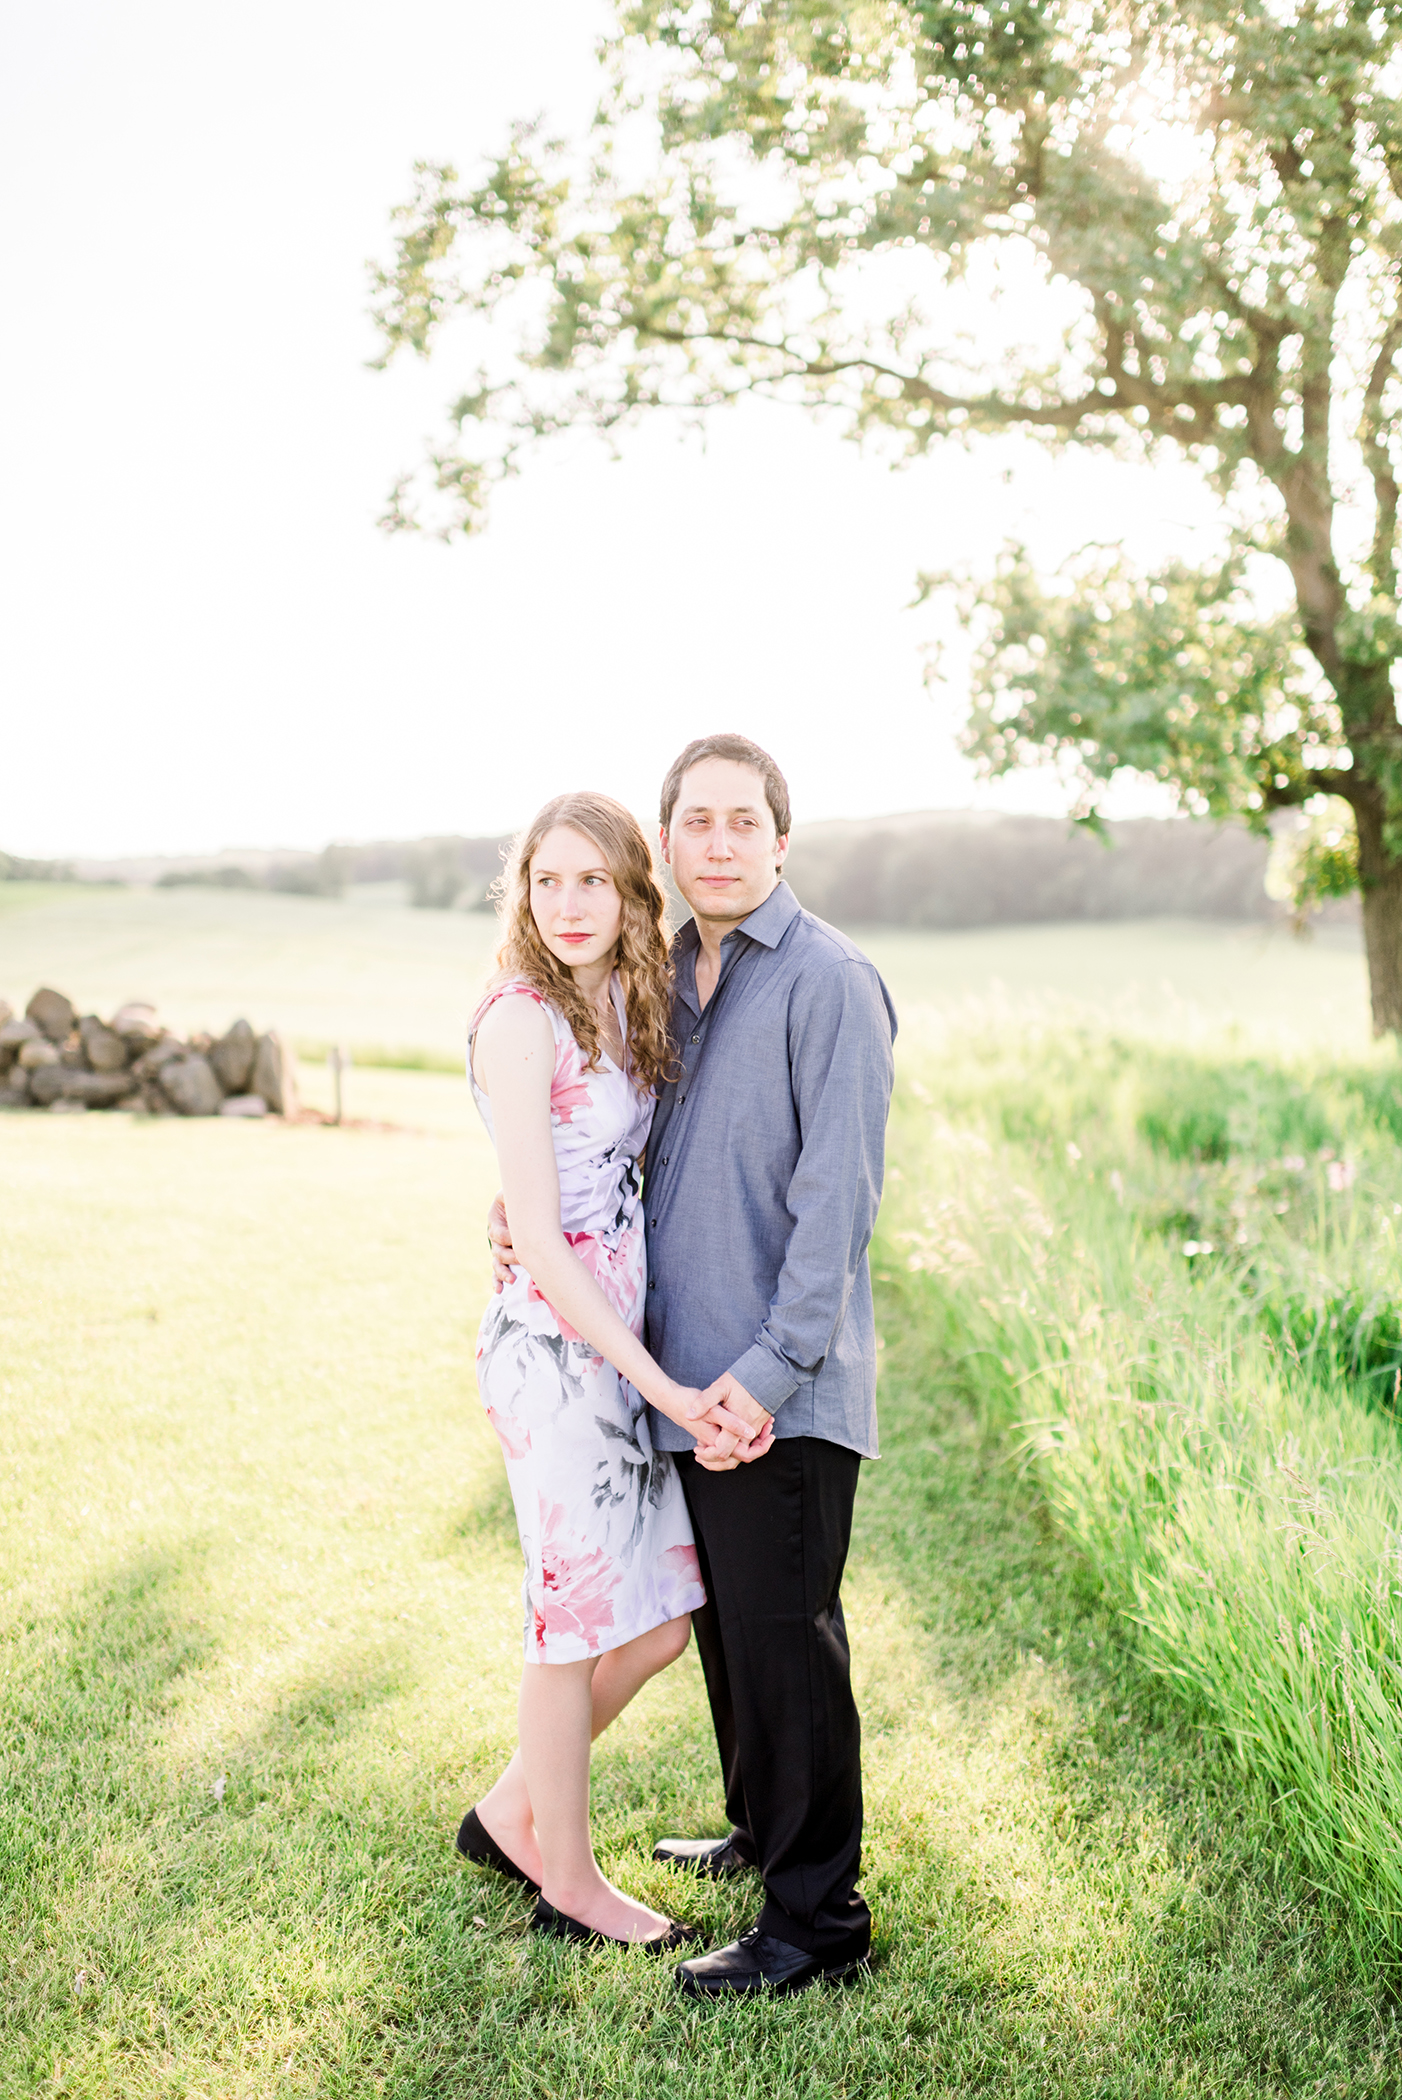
[{"x": 604, "y": 1528}]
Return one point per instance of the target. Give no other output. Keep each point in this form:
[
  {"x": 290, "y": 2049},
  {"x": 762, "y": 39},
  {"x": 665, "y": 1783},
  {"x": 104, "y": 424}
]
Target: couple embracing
[{"x": 680, "y": 1361}]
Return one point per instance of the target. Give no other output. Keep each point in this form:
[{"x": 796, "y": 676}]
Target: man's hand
[
  {"x": 726, "y": 1400},
  {"x": 499, "y": 1233},
  {"x": 722, "y": 1433}
]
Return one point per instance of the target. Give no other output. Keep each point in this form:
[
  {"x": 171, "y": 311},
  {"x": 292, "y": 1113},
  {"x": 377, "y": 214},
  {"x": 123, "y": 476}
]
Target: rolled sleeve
[{"x": 840, "y": 1059}]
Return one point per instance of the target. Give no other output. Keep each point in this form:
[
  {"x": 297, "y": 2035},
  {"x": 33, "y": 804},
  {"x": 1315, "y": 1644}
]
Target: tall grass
[{"x": 1178, "y": 1279}]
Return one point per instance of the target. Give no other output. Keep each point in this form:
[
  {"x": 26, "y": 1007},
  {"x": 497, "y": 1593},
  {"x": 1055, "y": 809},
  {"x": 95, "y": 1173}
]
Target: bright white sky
[{"x": 206, "y": 642}]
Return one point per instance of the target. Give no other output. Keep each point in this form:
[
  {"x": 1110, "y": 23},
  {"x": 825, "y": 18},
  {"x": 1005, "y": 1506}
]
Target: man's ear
[
  {"x": 665, "y": 848},
  {"x": 781, "y": 852}
]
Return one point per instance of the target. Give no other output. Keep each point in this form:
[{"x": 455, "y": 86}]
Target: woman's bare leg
[
  {"x": 618, "y": 1677},
  {"x": 505, "y": 1813},
  {"x": 556, "y": 1713},
  {"x": 622, "y": 1672}
]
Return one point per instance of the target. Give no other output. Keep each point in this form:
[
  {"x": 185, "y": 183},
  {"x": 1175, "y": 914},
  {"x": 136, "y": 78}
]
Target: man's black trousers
[{"x": 772, "y": 1537}]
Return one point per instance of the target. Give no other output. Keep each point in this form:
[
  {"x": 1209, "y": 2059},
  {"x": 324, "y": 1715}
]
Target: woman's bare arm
[{"x": 514, "y": 1062}]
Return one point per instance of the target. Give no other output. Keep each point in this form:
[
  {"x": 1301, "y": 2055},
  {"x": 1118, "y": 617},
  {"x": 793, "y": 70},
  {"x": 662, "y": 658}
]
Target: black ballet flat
[
  {"x": 475, "y": 1842},
  {"x": 556, "y": 1926}
]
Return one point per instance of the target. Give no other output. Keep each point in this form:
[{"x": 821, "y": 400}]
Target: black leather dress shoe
[
  {"x": 716, "y": 1858},
  {"x": 475, "y": 1842},
  {"x": 556, "y": 1926},
  {"x": 759, "y": 1962}
]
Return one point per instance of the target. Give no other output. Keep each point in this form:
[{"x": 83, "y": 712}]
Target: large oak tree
[{"x": 782, "y": 198}]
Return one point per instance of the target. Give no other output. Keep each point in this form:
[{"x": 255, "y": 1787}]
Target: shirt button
[
  {"x": 651, "y": 1285},
  {"x": 663, "y": 1161},
  {"x": 696, "y": 1039},
  {"x": 652, "y": 1222}
]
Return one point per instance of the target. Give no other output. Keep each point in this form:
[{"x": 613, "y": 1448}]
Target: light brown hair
[
  {"x": 643, "y": 965},
  {"x": 741, "y": 752}
]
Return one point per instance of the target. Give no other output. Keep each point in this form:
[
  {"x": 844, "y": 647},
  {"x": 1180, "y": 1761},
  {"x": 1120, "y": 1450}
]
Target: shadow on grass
[
  {"x": 1078, "y": 1872},
  {"x": 1072, "y": 1897},
  {"x": 488, "y": 1519},
  {"x": 85, "y": 1698},
  {"x": 85, "y": 1695}
]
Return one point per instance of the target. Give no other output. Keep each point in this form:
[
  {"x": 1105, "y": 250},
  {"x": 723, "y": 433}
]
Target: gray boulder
[
  {"x": 13, "y": 1037},
  {"x": 7, "y": 1013},
  {"x": 232, "y": 1058},
  {"x": 14, "y": 1092},
  {"x": 38, "y": 1051},
  {"x": 53, "y": 1083},
  {"x": 275, "y": 1075},
  {"x": 160, "y": 1053},
  {"x": 102, "y": 1046},
  {"x": 244, "y": 1105},
  {"x": 191, "y": 1086},
  {"x": 51, "y": 1014},
  {"x": 136, "y": 1024}
]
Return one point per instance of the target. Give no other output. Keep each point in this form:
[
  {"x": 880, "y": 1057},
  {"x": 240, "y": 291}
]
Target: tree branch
[
  {"x": 1129, "y": 392},
  {"x": 1378, "y": 459}
]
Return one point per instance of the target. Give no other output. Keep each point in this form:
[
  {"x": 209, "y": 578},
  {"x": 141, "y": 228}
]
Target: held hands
[{"x": 724, "y": 1405}]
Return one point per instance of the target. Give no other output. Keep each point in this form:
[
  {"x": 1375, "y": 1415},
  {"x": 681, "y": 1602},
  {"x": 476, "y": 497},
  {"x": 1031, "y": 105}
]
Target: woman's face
[{"x": 574, "y": 903}]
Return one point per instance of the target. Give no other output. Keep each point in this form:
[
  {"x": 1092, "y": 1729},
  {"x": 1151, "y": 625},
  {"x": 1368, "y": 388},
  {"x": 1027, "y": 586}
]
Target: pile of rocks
[{"x": 53, "y": 1059}]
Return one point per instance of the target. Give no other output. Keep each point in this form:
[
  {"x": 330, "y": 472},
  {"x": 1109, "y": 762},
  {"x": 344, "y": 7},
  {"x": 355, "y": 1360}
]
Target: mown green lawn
[{"x": 259, "y": 1579}]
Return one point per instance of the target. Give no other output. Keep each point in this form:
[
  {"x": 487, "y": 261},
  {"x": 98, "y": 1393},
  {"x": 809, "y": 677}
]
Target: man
[{"x": 764, "y": 1172}]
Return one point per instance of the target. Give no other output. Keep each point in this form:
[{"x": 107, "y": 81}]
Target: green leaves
[
  {"x": 1206, "y": 193},
  {"x": 1176, "y": 676},
  {"x": 1318, "y": 861}
]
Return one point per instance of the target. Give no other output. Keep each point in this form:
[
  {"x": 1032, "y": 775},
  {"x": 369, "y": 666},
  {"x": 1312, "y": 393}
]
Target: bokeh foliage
[{"x": 1200, "y": 205}]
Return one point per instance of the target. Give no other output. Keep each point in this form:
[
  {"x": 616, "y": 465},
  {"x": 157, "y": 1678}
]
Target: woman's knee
[{"x": 673, "y": 1637}]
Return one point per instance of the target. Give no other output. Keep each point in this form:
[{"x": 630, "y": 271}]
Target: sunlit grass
[
  {"x": 260, "y": 1579},
  {"x": 1180, "y": 1274}
]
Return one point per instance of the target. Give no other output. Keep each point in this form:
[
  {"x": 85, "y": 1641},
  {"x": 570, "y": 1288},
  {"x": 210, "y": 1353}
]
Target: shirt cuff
[{"x": 765, "y": 1378}]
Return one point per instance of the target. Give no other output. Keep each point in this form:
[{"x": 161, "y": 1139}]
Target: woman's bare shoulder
[{"x": 513, "y": 1029}]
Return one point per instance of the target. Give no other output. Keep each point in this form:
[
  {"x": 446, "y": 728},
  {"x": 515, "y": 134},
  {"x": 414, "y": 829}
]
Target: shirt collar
[
  {"x": 770, "y": 921},
  {"x": 767, "y": 923}
]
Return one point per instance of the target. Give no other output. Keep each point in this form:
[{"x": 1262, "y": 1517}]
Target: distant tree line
[
  {"x": 939, "y": 870},
  {"x": 970, "y": 868},
  {"x": 443, "y": 874},
  {"x": 15, "y": 869}
]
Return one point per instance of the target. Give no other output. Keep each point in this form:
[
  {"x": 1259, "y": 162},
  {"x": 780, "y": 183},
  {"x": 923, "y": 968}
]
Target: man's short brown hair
[{"x": 741, "y": 752}]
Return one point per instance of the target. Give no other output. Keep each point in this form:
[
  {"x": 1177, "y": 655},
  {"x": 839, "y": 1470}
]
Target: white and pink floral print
[{"x": 604, "y": 1528}]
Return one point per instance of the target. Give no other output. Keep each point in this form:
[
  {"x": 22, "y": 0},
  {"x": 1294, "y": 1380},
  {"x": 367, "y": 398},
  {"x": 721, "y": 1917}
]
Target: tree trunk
[{"x": 1380, "y": 876}]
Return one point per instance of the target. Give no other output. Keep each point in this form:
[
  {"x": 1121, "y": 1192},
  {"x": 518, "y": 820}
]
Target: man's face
[{"x": 721, "y": 845}]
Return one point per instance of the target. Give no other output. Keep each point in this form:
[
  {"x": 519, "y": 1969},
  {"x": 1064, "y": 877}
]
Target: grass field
[
  {"x": 369, "y": 972},
  {"x": 260, "y": 1578}
]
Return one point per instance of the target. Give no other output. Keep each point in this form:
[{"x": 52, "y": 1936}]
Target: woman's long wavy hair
[{"x": 643, "y": 964}]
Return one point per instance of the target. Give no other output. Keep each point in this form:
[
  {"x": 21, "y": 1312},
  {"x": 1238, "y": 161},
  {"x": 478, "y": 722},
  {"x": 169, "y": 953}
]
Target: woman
[{"x": 564, "y": 1053}]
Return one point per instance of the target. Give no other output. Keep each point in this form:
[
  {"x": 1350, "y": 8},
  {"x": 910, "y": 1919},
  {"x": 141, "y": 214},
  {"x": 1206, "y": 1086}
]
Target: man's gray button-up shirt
[{"x": 764, "y": 1173}]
